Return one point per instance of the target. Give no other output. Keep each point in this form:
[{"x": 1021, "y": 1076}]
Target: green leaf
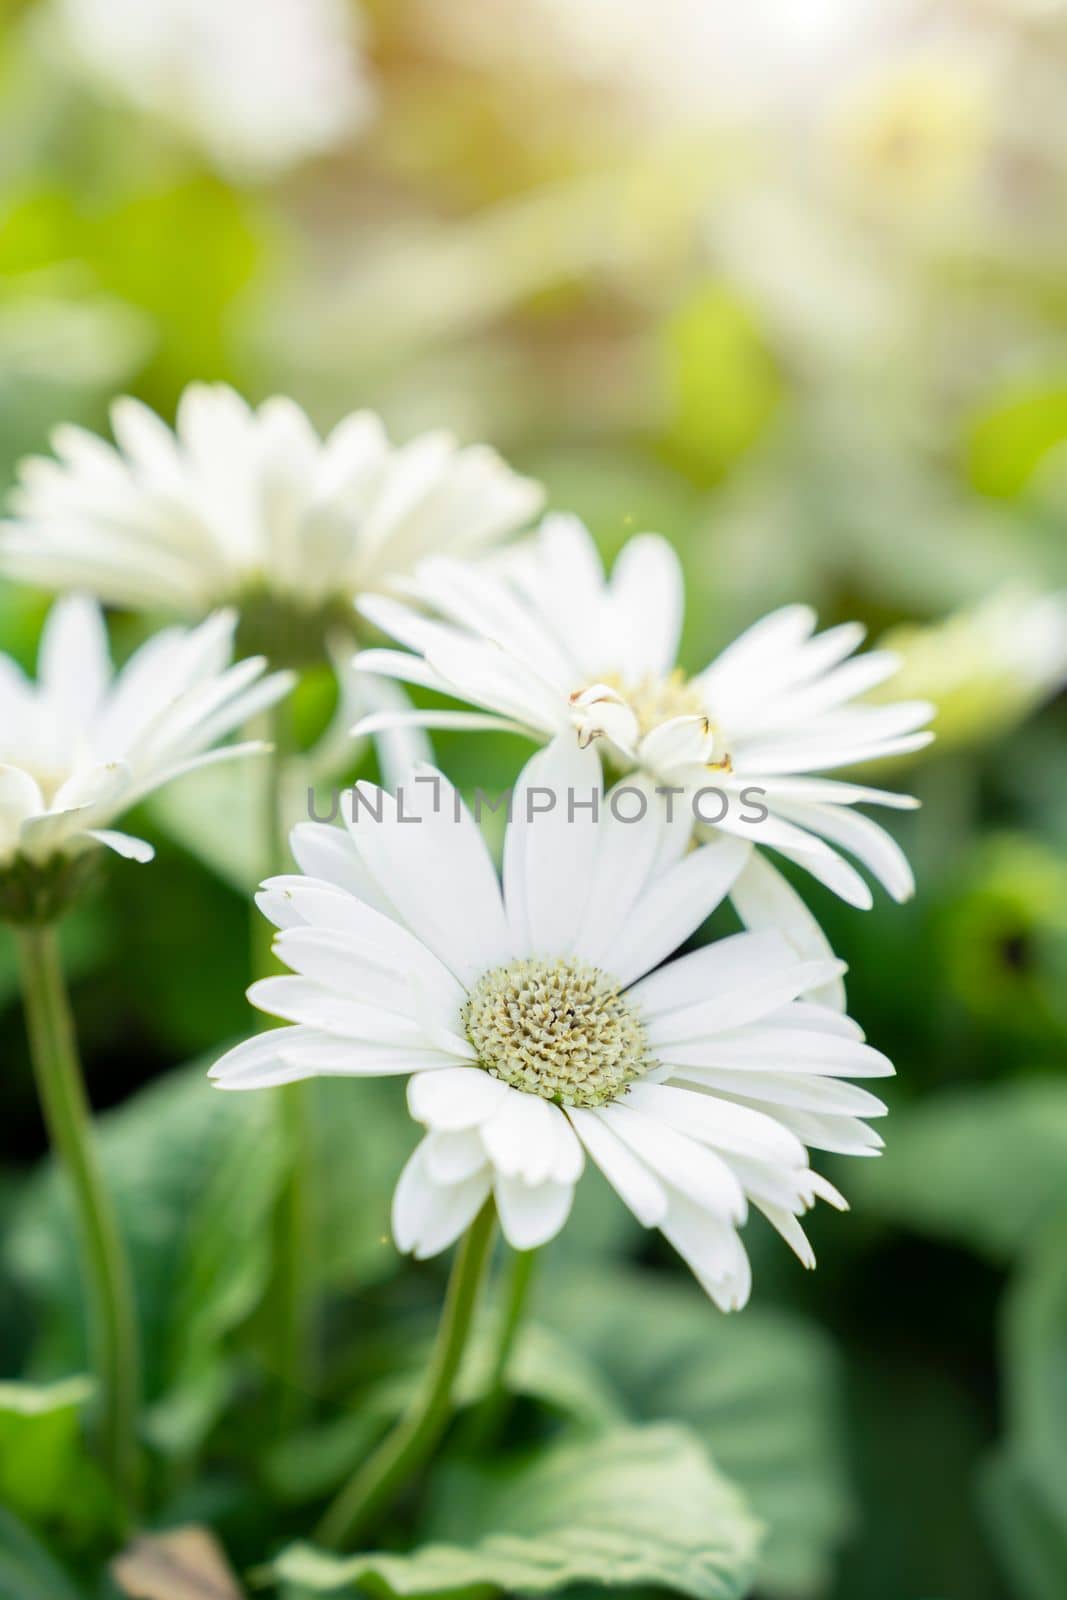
[
  {"x": 181, "y": 253},
  {"x": 1012, "y": 437},
  {"x": 193, "y": 1174},
  {"x": 759, "y": 1390},
  {"x": 1025, "y": 1486},
  {"x": 26, "y": 1568},
  {"x": 363, "y": 1134},
  {"x": 41, "y": 1451},
  {"x": 980, "y": 1167},
  {"x": 633, "y": 1506},
  {"x": 1026, "y": 1508},
  {"x": 722, "y": 383}
]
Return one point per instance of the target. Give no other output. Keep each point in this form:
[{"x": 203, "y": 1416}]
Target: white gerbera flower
[
  {"x": 83, "y": 744},
  {"x": 546, "y": 642},
  {"x": 258, "y": 85},
  {"x": 536, "y": 1030},
  {"x": 251, "y": 507}
]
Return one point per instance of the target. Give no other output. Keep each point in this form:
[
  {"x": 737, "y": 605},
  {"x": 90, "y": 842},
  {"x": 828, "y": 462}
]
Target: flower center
[
  {"x": 657, "y": 700},
  {"x": 558, "y": 1029}
]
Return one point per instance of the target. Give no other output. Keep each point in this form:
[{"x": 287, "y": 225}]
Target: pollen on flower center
[
  {"x": 559, "y": 1029},
  {"x": 656, "y": 700}
]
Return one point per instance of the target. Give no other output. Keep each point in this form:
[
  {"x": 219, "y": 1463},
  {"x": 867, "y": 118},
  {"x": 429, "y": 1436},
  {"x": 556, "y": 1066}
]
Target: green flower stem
[
  {"x": 411, "y": 1442},
  {"x": 113, "y": 1321},
  {"x": 292, "y": 1290},
  {"x": 486, "y": 1421}
]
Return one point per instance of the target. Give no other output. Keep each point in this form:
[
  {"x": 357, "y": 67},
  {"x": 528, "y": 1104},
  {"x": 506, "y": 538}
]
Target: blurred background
[{"x": 787, "y": 283}]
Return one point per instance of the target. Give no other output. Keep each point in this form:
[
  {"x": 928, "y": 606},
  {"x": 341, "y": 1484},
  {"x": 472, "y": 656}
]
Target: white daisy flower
[
  {"x": 545, "y": 642},
  {"x": 257, "y": 85},
  {"x": 83, "y": 744},
  {"x": 537, "y": 1026},
  {"x": 250, "y": 507}
]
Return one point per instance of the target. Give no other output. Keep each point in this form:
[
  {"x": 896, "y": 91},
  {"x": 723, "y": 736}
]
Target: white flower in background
[
  {"x": 257, "y": 85},
  {"x": 989, "y": 666},
  {"x": 250, "y": 506},
  {"x": 537, "y": 1026},
  {"x": 83, "y": 744},
  {"x": 545, "y": 643},
  {"x": 678, "y": 64}
]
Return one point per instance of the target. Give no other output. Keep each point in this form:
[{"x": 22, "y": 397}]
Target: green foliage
[
  {"x": 760, "y": 1391},
  {"x": 1010, "y": 439},
  {"x": 362, "y": 1135},
  {"x": 634, "y": 1506},
  {"x": 27, "y": 1567},
  {"x": 722, "y": 380},
  {"x": 1026, "y": 1483},
  {"x": 981, "y": 1167},
  {"x": 41, "y": 1451},
  {"x": 194, "y": 1174},
  {"x": 678, "y": 331},
  {"x": 1005, "y": 937},
  {"x": 180, "y": 253}
]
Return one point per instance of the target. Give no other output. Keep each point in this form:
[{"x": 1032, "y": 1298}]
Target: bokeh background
[{"x": 788, "y": 283}]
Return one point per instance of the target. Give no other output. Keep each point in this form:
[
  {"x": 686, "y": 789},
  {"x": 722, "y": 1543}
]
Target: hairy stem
[{"x": 112, "y": 1315}]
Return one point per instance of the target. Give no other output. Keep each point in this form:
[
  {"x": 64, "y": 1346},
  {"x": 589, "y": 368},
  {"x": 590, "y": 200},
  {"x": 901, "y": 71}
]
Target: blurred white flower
[
  {"x": 258, "y": 85},
  {"x": 911, "y": 137},
  {"x": 545, "y": 642},
  {"x": 83, "y": 744},
  {"x": 250, "y": 506},
  {"x": 537, "y": 1025},
  {"x": 989, "y": 666},
  {"x": 681, "y": 62}
]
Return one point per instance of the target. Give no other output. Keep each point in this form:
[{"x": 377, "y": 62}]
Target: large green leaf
[
  {"x": 632, "y": 1506},
  {"x": 760, "y": 1391},
  {"x": 27, "y": 1570},
  {"x": 981, "y": 1167},
  {"x": 1026, "y": 1484},
  {"x": 41, "y": 1444},
  {"x": 193, "y": 1174}
]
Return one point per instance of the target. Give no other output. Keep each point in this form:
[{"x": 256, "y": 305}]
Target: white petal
[
  {"x": 647, "y": 591},
  {"x": 631, "y": 1179},
  {"x": 673, "y": 907},
  {"x": 454, "y": 1157},
  {"x": 686, "y": 1165},
  {"x": 123, "y": 844},
  {"x": 436, "y": 870},
  {"x": 459, "y": 1097},
  {"x": 74, "y": 662},
  {"x": 778, "y": 1049},
  {"x": 733, "y": 1128},
  {"x": 711, "y": 1248},
  {"x": 520, "y": 1137},
  {"x": 323, "y": 851},
  {"x": 871, "y": 844},
  {"x": 549, "y": 854},
  {"x": 765, "y": 901},
  {"x": 727, "y": 983},
  {"x": 428, "y": 1215},
  {"x": 531, "y": 1214}
]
